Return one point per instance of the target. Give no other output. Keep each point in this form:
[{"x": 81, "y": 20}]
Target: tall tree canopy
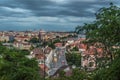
[
  {"x": 15, "y": 66},
  {"x": 105, "y": 30}
]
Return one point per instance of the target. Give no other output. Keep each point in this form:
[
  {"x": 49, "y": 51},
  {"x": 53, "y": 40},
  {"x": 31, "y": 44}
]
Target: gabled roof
[
  {"x": 40, "y": 56},
  {"x": 37, "y": 51},
  {"x": 58, "y": 44}
]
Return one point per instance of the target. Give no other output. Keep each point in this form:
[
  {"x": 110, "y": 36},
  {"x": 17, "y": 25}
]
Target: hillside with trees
[{"x": 15, "y": 66}]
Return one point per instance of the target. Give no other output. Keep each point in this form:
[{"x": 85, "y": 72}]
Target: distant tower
[{"x": 41, "y": 35}]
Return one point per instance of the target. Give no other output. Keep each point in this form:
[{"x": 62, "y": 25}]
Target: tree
[
  {"x": 73, "y": 59},
  {"x": 75, "y": 49},
  {"x": 111, "y": 73},
  {"x": 34, "y": 40},
  {"x": 56, "y": 41},
  {"x": 103, "y": 32},
  {"x": 15, "y": 66},
  {"x": 79, "y": 75}
]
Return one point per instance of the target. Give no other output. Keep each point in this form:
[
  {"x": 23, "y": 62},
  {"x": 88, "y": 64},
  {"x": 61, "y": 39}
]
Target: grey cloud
[
  {"x": 49, "y": 8},
  {"x": 67, "y": 13}
]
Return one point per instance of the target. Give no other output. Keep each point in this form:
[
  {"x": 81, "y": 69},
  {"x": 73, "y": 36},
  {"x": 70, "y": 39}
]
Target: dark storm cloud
[
  {"x": 79, "y": 8},
  {"x": 72, "y": 8},
  {"x": 42, "y": 7},
  {"x": 50, "y": 12}
]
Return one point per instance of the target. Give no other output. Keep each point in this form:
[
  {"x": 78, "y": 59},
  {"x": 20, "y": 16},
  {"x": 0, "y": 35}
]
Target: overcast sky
[{"x": 48, "y": 14}]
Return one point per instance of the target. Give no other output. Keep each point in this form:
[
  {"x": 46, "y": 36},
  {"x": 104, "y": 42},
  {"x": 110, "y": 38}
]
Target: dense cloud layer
[{"x": 36, "y": 14}]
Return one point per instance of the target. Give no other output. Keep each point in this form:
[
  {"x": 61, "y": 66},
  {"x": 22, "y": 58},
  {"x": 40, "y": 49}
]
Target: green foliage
[
  {"x": 76, "y": 75},
  {"x": 79, "y": 75},
  {"x": 25, "y": 52},
  {"x": 75, "y": 49},
  {"x": 56, "y": 41},
  {"x": 34, "y": 40},
  {"x": 15, "y": 66},
  {"x": 104, "y": 30},
  {"x": 73, "y": 59},
  {"x": 50, "y": 44},
  {"x": 111, "y": 73},
  {"x": 62, "y": 73}
]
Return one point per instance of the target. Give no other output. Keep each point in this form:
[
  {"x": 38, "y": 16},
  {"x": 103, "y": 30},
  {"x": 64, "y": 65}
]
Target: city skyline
[{"x": 50, "y": 15}]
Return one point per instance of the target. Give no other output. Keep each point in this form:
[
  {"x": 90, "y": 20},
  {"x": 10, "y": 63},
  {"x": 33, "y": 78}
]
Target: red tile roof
[
  {"x": 58, "y": 44},
  {"x": 82, "y": 46},
  {"x": 37, "y": 51}
]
